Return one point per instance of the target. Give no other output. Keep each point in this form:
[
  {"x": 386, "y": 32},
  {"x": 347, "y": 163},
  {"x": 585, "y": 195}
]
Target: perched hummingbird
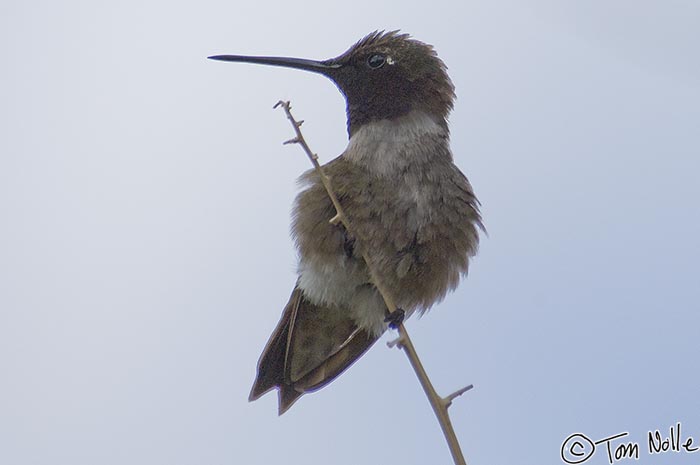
[{"x": 412, "y": 209}]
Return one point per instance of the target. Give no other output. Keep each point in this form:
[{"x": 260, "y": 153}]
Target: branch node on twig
[
  {"x": 398, "y": 342},
  {"x": 291, "y": 141},
  {"x": 282, "y": 103},
  {"x": 447, "y": 401},
  {"x": 335, "y": 220}
]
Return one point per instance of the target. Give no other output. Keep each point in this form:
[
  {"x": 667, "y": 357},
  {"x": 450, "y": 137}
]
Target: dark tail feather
[
  {"x": 309, "y": 348},
  {"x": 272, "y": 361}
]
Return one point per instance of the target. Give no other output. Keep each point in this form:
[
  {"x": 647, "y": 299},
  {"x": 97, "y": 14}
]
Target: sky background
[{"x": 144, "y": 232}]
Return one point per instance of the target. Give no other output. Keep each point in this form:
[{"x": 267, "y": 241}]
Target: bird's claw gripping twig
[{"x": 395, "y": 318}]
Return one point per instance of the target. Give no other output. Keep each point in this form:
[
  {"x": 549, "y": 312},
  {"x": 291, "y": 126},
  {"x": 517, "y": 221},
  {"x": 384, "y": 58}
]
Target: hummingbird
[{"x": 413, "y": 212}]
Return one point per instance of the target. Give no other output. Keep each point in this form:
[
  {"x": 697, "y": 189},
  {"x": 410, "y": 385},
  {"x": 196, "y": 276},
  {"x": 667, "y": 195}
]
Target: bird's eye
[{"x": 376, "y": 61}]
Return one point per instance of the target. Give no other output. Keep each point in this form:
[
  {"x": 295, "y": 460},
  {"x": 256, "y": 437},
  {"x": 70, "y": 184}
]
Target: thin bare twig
[{"x": 439, "y": 404}]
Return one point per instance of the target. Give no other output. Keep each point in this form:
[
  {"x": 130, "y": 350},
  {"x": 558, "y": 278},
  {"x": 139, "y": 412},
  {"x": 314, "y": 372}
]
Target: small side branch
[
  {"x": 448, "y": 400},
  {"x": 439, "y": 404}
]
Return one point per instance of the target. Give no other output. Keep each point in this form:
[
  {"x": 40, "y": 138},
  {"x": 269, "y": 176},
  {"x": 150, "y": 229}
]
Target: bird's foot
[{"x": 395, "y": 318}]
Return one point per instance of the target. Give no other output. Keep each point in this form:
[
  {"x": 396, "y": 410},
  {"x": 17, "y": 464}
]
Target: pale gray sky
[{"x": 145, "y": 255}]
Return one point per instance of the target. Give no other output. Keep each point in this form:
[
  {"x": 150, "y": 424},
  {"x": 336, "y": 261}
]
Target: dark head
[{"x": 383, "y": 76}]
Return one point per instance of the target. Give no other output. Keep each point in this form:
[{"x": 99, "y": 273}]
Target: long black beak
[{"x": 296, "y": 63}]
